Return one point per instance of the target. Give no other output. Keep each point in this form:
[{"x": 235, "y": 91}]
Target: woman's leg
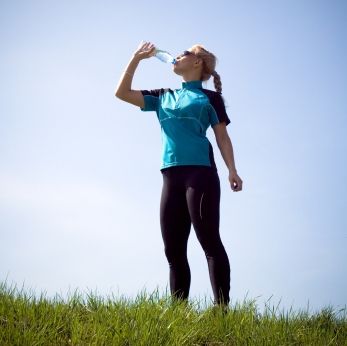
[
  {"x": 175, "y": 227},
  {"x": 203, "y": 197}
]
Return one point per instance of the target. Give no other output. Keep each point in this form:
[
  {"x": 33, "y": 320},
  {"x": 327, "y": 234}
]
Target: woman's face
[{"x": 184, "y": 62}]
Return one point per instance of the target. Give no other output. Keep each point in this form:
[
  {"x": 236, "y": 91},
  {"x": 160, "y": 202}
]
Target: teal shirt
[{"x": 185, "y": 114}]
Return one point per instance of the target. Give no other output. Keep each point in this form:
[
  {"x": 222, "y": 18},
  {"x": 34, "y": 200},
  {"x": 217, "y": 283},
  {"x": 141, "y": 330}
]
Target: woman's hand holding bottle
[{"x": 145, "y": 50}]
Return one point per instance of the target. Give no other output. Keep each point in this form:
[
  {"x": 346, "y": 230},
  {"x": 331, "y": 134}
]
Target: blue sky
[{"x": 79, "y": 170}]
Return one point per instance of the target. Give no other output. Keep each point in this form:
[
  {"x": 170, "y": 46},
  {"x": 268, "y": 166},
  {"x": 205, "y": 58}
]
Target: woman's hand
[
  {"x": 145, "y": 50},
  {"x": 235, "y": 181}
]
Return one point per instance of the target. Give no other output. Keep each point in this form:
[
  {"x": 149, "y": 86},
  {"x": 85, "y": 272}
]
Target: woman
[{"x": 191, "y": 188}]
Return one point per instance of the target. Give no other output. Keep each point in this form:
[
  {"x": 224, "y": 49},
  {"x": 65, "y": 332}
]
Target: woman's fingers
[
  {"x": 236, "y": 183},
  {"x": 145, "y": 49},
  {"x": 151, "y": 50},
  {"x": 145, "y": 46}
]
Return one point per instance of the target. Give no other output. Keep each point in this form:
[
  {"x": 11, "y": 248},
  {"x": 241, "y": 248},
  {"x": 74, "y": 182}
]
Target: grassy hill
[{"x": 152, "y": 319}]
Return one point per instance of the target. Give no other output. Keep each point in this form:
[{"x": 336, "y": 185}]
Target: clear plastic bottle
[{"x": 164, "y": 56}]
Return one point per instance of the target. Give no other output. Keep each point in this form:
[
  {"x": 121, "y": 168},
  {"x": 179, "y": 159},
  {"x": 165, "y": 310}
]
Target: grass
[{"x": 154, "y": 319}]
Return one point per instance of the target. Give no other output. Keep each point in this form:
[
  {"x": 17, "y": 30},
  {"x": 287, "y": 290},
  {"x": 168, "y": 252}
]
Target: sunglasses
[{"x": 185, "y": 53}]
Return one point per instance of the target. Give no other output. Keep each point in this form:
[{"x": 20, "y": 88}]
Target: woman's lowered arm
[{"x": 226, "y": 149}]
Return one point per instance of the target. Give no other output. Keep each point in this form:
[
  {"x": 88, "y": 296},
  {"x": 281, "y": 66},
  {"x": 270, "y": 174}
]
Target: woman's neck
[{"x": 191, "y": 76}]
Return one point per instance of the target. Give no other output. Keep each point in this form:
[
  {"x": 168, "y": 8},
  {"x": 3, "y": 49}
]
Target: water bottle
[{"x": 164, "y": 56}]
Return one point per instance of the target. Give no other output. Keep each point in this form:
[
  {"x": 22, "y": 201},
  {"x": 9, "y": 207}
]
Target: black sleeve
[
  {"x": 154, "y": 92},
  {"x": 218, "y": 104},
  {"x": 151, "y": 99}
]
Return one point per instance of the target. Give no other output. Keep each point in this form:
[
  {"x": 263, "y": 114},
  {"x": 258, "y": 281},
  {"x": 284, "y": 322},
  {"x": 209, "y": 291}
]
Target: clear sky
[{"x": 79, "y": 169}]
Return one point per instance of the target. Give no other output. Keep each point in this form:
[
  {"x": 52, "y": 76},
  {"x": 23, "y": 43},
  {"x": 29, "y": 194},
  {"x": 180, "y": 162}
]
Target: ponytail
[{"x": 217, "y": 82}]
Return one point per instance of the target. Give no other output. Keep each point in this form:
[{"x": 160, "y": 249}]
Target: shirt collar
[{"x": 194, "y": 84}]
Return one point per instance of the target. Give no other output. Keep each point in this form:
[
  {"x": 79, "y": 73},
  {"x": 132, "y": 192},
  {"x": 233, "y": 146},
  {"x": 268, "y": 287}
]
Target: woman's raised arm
[{"x": 123, "y": 90}]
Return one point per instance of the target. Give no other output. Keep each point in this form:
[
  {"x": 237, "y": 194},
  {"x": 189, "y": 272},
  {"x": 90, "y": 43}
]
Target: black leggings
[{"x": 191, "y": 195}]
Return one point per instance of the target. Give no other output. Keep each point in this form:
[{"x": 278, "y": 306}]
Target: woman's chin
[{"x": 177, "y": 71}]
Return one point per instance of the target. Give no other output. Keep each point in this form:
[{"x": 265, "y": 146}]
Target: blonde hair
[{"x": 209, "y": 65}]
